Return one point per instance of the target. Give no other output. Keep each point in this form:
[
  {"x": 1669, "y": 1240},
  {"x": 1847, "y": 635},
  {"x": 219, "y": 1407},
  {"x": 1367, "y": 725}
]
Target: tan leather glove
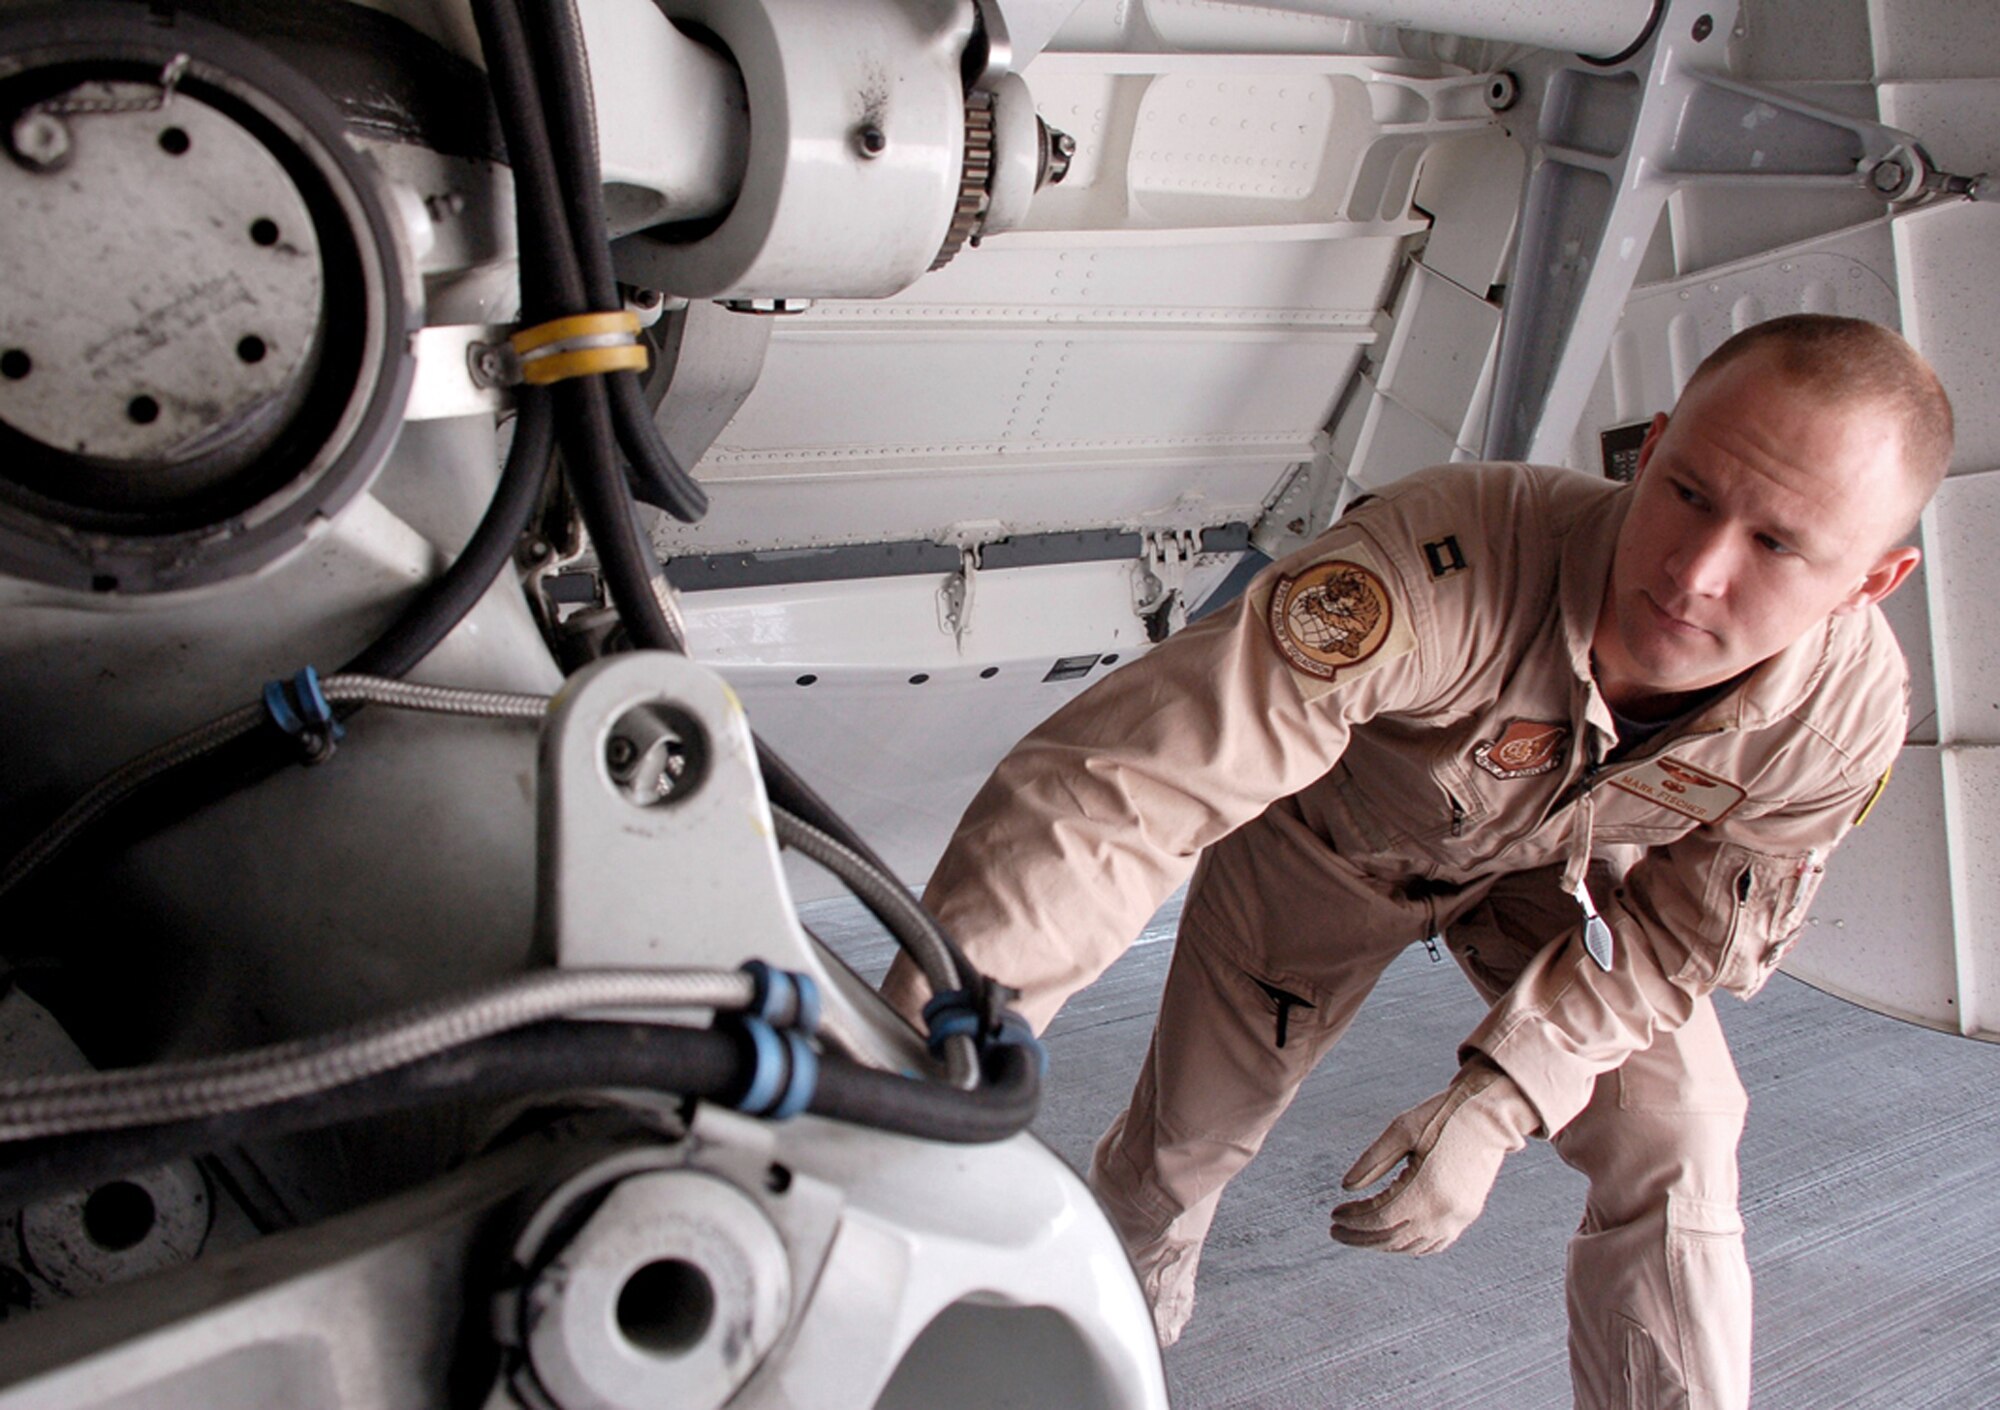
[{"x": 1454, "y": 1144}]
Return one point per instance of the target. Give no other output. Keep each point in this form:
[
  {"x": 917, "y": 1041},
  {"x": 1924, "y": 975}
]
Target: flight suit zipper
[
  {"x": 1433, "y": 932},
  {"x": 1286, "y": 1001},
  {"x": 1597, "y": 934}
]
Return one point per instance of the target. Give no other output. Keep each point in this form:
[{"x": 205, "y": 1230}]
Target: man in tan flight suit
[{"x": 1599, "y": 738}]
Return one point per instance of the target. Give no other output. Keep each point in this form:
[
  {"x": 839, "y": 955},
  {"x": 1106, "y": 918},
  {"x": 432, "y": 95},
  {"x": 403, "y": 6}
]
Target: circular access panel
[{"x": 202, "y": 334}]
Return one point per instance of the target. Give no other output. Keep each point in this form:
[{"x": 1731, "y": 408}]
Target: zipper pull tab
[
  {"x": 1431, "y": 944},
  {"x": 1596, "y": 934}
]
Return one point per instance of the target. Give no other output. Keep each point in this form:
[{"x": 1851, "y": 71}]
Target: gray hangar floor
[{"x": 1871, "y": 1189}]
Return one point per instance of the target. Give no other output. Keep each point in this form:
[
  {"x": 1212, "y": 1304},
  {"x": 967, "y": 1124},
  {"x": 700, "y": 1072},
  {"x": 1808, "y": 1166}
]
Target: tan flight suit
[{"x": 1394, "y": 734}]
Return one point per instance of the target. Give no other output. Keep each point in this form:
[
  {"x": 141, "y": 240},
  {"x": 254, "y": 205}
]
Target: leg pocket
[
  {"x": 1710, "y": 1279},
  {"x": 1640, "y": 1387},
  {"x": 1687, "y": 1072}
]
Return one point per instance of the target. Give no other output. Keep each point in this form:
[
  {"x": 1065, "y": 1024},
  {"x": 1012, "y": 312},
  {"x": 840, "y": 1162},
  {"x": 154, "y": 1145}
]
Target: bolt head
[
  {"x": 1889, "y": 176},
  {"x": 870, "y": 140},
  {"x": 1703, "y": 27},
  {"x": 40, "y": 141}
]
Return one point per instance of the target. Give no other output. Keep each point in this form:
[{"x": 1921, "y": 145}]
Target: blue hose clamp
[
  {"x": 767, "y": 1067},
  {"x": 803, "y": 1077},
  {"x": 783, "y": 998},
  {"x": 949, "y": 1015},
  {"x": 300, "y": 708},
  {"x": 784, "y": 1071},
  {"x": 1015, "y": 1033},
  {"x": 954, "y": 1014}
]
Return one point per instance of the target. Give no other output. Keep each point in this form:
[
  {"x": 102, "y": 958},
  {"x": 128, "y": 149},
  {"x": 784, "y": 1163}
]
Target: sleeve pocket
[{"x": 1758, "y": 902}]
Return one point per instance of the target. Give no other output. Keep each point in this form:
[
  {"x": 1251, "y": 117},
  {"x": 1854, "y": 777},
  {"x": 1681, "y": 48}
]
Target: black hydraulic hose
[
  {"x": 591, "y": 457},
  {"x": 657, "y": 472},
  {"x": 240, "y": 763},
  {"x": 443, "y": 605},
  {"x": 538, "y": 180},
  {"x": 557, "y": 50},
  {"x": 556, "y": 287},
  {"x": 1000, "y": 1106},
  {"x": 548, "y": 1059},
  {"x": 551, "y": 282}
]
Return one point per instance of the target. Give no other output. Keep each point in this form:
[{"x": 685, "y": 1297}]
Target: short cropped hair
[{"x": 1849, "y": 359}]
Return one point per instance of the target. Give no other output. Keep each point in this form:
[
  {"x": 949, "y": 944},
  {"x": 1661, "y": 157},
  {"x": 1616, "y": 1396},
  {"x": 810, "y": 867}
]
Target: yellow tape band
[
  {"x": 576, "y": 325},
  {"x": 583, "y": 362}
]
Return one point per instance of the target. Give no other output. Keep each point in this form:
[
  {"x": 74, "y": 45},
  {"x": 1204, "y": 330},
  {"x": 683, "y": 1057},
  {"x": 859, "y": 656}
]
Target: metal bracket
[
  {"x": 656, "y": 845},
  {"x": 1309, "y": 502},
  {"x": 1159, "y": 580},
  {"x": 955, "y": 596},
  {"x": 463, "y": 369},
  {"x": 1611, "y": 143},
  {"x": 708, "y": 364}
]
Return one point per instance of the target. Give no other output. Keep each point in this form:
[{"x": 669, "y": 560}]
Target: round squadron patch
[{"x": 1332, "y": 615}]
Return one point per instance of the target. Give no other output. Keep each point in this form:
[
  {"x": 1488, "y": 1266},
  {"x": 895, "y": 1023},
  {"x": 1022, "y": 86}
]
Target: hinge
[{"x": 1159, "y": 581}]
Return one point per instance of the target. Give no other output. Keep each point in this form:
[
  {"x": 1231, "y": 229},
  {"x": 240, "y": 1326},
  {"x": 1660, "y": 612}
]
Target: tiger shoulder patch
[{"x": 1337, "y": 619}]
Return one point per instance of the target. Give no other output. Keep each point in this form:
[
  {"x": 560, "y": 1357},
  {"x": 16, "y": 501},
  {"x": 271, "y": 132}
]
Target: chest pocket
[
  {"x": 1626, "y": 817},
  {"x": 1395, "y": 794},
  {"x": 1759, "y": 901}
]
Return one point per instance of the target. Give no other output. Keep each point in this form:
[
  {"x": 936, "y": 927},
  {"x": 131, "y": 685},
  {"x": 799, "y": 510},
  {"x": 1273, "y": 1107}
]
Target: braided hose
[
  {"x": 121, "y": 782},
  {"x": 33, "y": 1107}
]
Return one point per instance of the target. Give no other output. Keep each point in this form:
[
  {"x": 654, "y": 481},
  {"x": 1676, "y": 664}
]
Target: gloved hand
[{"x": 1454, "y": 1144}]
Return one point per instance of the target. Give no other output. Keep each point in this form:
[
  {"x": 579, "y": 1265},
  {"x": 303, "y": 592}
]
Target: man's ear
[
  {"x": 1653, "y": 434},
  {"x": 1884, "y": 578}
]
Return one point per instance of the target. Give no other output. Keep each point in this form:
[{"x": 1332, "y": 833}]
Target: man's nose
[{"x": 1701, "y": 564}]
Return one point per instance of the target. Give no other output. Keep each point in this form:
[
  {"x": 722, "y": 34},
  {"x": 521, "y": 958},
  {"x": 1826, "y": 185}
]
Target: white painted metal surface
[
  {"x": 921, "y": 713},
  {"x": 814, "y": 215},
  {"x": 1599, "y": 27},
  {"x": 1158, "y": 344},
  {"x": 1669, "y": 326},
  {"x": 652, "y": 85}
]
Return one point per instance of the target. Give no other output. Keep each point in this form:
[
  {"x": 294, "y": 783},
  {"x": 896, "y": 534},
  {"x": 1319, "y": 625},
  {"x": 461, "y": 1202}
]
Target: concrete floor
[{"x": 1871, "y": 1178}]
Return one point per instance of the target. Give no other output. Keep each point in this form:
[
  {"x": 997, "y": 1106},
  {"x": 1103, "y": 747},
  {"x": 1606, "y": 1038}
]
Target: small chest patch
[
  {"x": 1444, "y": 556},
  {"x": 1524, "y": 749},
  {"x": 1331, "y": 615},
  {"x": 1684, "y": 789}
]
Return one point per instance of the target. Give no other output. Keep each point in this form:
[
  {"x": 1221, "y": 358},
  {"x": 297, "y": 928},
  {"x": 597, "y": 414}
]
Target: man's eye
[
  {"x": 1688, "y": 496},
  {"x": 1772, "y": 545}
]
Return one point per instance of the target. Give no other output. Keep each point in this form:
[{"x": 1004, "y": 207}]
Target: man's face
[{"x": 1759, "y": 511}]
